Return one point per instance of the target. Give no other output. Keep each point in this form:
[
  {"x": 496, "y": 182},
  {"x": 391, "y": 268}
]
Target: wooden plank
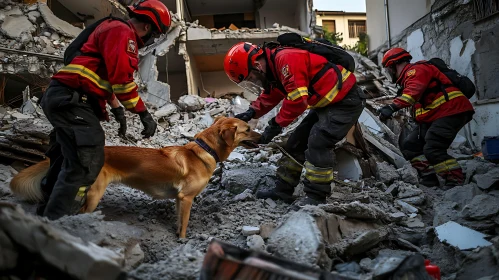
[
  {"x": 21, "y": 158},
  {"x": 9, "y": 145}
]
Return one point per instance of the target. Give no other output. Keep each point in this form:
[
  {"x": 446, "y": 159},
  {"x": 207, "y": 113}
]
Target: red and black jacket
[
  {"x": 304, "y": 80},
  {"x": 423, "y": 87},
  {"x": 107, "y": 73}
]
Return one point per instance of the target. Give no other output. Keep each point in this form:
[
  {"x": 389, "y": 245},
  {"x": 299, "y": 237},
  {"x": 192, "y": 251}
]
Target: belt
[{"x": 79, "y": 97}]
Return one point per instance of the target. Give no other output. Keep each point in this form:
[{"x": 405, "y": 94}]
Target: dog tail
[{"x": 27, "y": 183}]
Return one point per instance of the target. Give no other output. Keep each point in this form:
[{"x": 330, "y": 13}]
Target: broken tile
[{"x": 461, "y": 237}]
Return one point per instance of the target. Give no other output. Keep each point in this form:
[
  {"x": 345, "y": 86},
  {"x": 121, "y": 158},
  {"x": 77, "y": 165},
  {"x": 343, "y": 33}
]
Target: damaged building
[{"x": 462, "y": 33}]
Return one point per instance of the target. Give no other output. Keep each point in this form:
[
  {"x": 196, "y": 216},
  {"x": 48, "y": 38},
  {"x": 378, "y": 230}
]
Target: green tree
[
  {"x": 333, "y": 37},
  {"x": 361, "y": 46}
]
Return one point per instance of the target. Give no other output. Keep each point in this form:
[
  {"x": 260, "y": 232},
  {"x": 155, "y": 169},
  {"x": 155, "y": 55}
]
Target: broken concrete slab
[
  {"x": 166, "y": 110},
  {"x": 408, "y": 174},
  {"x": 57, "y": 24},
  {"x": 300, "y": 240},
  {"x": 244, "y": 196},
  {"x": 477, "y": 167},
  {"x": 255, "y": 242},
  {"x": 36, "y": 127},
  {"x": 191, "y": 103},
  {"x": 390, "y": 155},
  {"x": 414, "y": 200},
  {"x": 406, "y": 206},
  {"x": 414, "y": 223},
  {"x": 406, "y": 190},
  {"x": 488, "y": 181},
  {"x": 238, "y": 180},
  {"x": 481, "y": 207},
  {"x": 462, "y": 195},
  {"x": 57, "y": 249},
  {"x": 444, "y": 212},
  {"x": 366, "y": 241},
  {"x": 356, "y": 210},
  {"x": 14, "y": 25},
  {"x": 250, "y": 230},
  {"x": 116, "y": 236},
  {"x": 386, "y": 173},
  {"x": 461, "y": 237},
  {"x": 480, "y": 264}
]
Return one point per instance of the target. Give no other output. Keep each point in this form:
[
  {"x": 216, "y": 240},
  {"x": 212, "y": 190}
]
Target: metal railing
[{"x": 485, "y": 8}]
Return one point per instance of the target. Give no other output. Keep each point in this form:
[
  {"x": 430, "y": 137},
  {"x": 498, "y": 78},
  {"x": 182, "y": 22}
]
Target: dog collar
[{"x": 207, "y": 148}]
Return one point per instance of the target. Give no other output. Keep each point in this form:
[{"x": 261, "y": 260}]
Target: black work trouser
[
  {"x": 76, "y": 150},
  {"x": 433, "y": 139},
  {"x": 316, "y": 136}
]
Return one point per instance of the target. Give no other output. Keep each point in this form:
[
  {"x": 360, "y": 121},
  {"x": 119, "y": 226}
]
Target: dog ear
[
  {"x": 228, "y": 134},
  {"x": 221, "y": 117}
]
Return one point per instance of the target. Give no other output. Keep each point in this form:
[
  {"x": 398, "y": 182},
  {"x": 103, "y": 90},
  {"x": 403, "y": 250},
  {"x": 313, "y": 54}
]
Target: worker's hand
[
  {"x": 386, "y": 112},
  {"x": 119, "y": 115},
  {"x": 149, "y": 124},
  {"x": 246, "y": 116},
  {"x": 271, "y": 131}
]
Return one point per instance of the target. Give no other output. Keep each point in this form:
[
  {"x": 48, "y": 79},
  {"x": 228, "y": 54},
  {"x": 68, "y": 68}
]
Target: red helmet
[
  {"x": 239, "y": 60},
  {"x": 394, "y": 55},
  {"x": 156, "y": 11}
]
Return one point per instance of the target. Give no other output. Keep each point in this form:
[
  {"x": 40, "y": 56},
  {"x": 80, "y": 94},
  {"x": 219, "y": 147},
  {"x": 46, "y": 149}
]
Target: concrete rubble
[
  {"x": 377, "y": 218},
  {"x": 32, "y": 39}
]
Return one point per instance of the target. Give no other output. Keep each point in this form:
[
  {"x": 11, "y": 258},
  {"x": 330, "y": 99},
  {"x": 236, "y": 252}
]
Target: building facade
[{"x": 350, "y": 25}]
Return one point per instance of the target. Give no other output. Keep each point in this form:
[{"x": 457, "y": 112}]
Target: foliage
[
  {"x": 361, "y": 46},
  {"x": 333, "y": 37}
]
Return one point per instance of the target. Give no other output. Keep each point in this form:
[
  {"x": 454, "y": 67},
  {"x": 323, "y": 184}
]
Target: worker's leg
[
  {"x": 412, "y": 149},
  {"x": 333, "y": 125},
  {"x": 81, "y": 138},
  {"x": 438, "y": 139},
  {"x": 288, "y": 171}
]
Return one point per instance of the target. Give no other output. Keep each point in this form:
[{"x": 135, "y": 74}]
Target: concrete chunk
[
  {"x": 481, "y": 207},
  {"x": 249, "y": 230},
  {"x": 386, "y": 173},
  {"x": 13, "y": 26},
  {"x": 489, "y": 180},
  {"x": 56, "y": 23}
]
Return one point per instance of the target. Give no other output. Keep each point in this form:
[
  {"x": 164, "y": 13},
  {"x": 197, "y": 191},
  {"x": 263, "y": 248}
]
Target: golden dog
[{"x": 179, "y": 172}]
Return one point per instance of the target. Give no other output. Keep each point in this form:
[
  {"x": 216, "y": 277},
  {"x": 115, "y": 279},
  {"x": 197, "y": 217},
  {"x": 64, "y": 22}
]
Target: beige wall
[
  {"x": 402, "y": 14},
  {"x": 217, "y": 83},
  {"x": 341, "y": 22}
]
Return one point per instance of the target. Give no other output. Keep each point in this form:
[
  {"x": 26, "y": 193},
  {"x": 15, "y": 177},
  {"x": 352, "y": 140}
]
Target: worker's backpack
[
  {"x": 336, "y": 55},
  {"x": 463, "y": 83},
  {"x": 73, "y": 50}
]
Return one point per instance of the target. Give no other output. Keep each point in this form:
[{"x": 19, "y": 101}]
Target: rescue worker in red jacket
[
  {"x": 440, "y": 110},
  {"x": 75, "y": 103},
  {"x": 303, "y": 80}
]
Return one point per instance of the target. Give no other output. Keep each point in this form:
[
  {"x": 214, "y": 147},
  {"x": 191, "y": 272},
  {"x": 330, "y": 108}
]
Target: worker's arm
[
  {"x": 119, "y": 49},
  {"x": 415, "y": 82},
  {"x": 294, "y": 77},
  {"x": 266, "y": 102}
]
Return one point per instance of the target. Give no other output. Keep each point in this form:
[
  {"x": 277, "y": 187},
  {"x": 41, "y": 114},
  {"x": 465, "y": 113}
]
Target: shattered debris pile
[
  {"x": 24, "y": 137},
  {"x": 234, "y": 30},
  {"x": 32, "y": 38}
]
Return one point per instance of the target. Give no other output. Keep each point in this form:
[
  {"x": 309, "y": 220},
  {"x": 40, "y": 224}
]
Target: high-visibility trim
[
  {"x": 89, "y": 74},
  {"x": 331, "y": 95},
  {"x": 437, "y": 102},
  {"x": 419, "y": 158},
  {"x": 317, "y": 174},
  {"x": 297, "y": 93},
  {"x": 129, "y": 104},
  {"x": 407, "y": 98},
  {"x": 125, "y": 88},
  {"x": 448, "y": 165}
]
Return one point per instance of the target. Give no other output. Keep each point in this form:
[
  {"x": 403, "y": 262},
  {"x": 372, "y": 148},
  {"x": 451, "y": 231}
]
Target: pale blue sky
[{"x": 343, "y": 5}]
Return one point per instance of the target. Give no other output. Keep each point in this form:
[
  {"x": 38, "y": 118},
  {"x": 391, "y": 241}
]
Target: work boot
[
  {"x": 453, "y": 178},
  {"x": 282, "y": 191},
  {"x": 430, "y": 180},
  {"x": 317, "y": 186},
  {"x": 451, "y": 172}
]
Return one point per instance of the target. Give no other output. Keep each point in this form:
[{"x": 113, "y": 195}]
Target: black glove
[
  {"x": 246, "y": 116},
  {"x": 149, "y": 124},
  {"x": 271, "y": 131},
  {"x": 387, "y": 111},
  {"x": 119, "y": 115}
]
